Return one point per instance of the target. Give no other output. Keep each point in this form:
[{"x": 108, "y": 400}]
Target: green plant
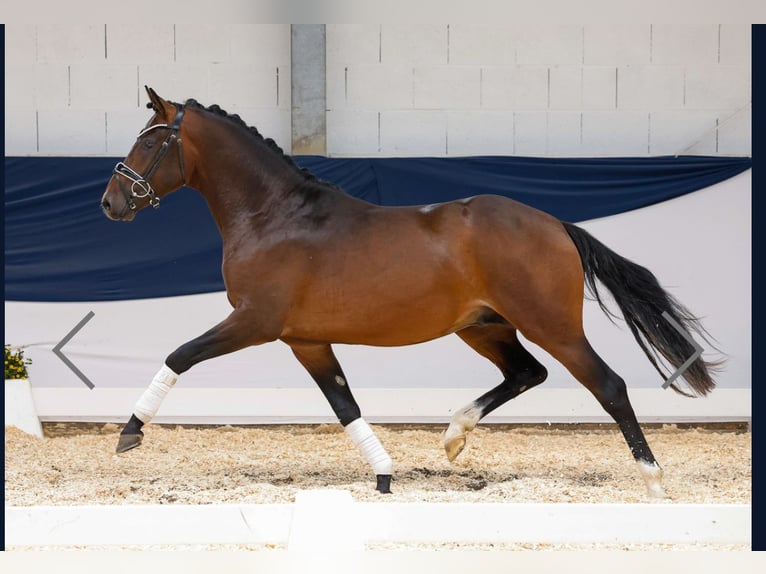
[{"x": 16, "y": 364}]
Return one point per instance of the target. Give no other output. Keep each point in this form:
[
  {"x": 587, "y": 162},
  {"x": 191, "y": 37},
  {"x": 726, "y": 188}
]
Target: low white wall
[{"x": 330, "y": 521}]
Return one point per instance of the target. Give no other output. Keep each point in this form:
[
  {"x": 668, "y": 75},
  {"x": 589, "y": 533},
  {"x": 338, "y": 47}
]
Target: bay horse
[{"x": 309, "y": 265}]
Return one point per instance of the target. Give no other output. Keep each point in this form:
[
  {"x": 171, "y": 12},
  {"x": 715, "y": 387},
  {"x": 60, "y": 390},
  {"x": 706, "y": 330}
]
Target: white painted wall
[
  {"x": 77, "y": 89},
  {"x": 550, "y": 90},
  {"x": 395, "y": 89}
]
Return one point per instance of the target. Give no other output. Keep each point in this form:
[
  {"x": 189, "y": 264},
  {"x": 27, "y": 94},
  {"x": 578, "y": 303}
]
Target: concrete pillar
[{"x": 308, "y": 77}]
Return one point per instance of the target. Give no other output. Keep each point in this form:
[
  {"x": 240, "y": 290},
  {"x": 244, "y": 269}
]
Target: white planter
[{"x": 20, "y": 409}]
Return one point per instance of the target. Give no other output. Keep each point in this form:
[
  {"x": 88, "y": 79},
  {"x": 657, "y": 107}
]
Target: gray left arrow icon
[{"x": 65, "y": 340}]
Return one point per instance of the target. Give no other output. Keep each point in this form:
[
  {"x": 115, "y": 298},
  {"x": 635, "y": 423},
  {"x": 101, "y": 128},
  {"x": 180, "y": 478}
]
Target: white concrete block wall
[
  {"x": 149, "y": 43},
  {"x": 253, "y": 86},
  {"x": 480, "y": 132},
  {"x": 514, "y": 87},
  {"x": 20, "y": 44},
  {"x": 564, "y": 137},
  {"x": 650, "y": 87},
  {"x": 81, "y": 130},
  {"x": 693, "y": 130},
  {"x": 31, "y": 87},
  {"x": 354, "y": 133},
  {"x": 365, "y": 39},
  {"x": 446, "y": 88},
  {"x": 541, "y": 45},
  {"x": 567, "y": 90},
  {"x": 413, "y": 133},
  {"x": 716, "y": 86},
  {"x": 683, "y": 45},
  {"x": 530, "y": 133},
  {"x": 661, "y": 88},
  {"x": 497, "y": 48},
  {"x": 565, "y": 87},
  {"x": 121, "y": 129},
  {"x": 735, "y": 47},
  {"x": 68, "y": 44},
  {"x": 599, "y": 88},
  {"x": 103, "y": 86},
  {"x": 624, "y": 133},
  {"x": 734, "y": 133},
  {"x": 616, "y": 45},
  {"x": 380, "y": 86},
  {"x": 77, "y": 89},
  {"x": 412, "y": 44},
  {"x": 22, "y": 124},
  {"x": 176, "y": 81}
]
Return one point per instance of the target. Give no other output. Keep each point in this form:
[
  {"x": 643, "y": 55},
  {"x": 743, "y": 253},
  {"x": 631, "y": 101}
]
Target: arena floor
[{"x": 76, "y": 464}]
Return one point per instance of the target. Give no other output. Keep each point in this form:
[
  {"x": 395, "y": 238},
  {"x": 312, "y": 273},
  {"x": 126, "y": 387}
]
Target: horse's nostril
[{"x": 105, "y": 206}]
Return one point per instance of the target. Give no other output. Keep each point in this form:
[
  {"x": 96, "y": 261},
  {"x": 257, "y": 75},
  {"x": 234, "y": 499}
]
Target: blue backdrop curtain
[{"x": 60, "y": 247}]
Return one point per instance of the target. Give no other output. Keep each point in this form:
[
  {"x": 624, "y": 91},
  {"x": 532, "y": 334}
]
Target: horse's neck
[
  {"x": 245, "y": 183},
  {"x": 252, "y": 203}
]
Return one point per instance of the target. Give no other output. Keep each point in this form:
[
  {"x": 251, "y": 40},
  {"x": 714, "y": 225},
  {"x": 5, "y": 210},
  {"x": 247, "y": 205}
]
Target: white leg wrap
[
  {"x": 365, "y": 440},
  {"x": 150, "y": 401}
]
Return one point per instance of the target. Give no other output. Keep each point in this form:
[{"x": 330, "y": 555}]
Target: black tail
[{"x": 642, "y": 301}]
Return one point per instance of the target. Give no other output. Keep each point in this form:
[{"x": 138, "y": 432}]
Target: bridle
[{"x": 140, "y": 186}]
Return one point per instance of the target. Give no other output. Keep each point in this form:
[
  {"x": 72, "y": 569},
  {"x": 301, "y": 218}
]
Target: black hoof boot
[
  {"x": 131, "y": 436},
  {"x": 384, "y": 483},
  {"x": 129, "y": 441}
]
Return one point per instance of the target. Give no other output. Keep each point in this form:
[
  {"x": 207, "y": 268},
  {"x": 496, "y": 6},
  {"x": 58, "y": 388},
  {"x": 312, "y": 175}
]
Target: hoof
[
  {"x": 454, "y": 446},
  {"x": 656, "y": 492},
  {"x": 652, "y": 475},
  {"x": 129, "y": 441},
  {"x": 384, "y": 483}
]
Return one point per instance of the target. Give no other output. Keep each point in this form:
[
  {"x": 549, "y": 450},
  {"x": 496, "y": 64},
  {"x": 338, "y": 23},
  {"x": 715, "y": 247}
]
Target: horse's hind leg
[
  {"x": 609, "y": 389},
  {"x": 324, "y": 368},
  {"x": 521, "y": 372}
]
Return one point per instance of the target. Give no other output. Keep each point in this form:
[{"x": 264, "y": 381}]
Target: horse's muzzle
[{"x": 120, "y": 212}]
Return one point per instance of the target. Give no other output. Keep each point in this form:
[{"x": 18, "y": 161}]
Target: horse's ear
[{"x": 157, "y": 104}]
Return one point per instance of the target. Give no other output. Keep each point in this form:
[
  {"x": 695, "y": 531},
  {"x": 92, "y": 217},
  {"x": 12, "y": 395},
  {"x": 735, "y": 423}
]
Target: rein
[{"x": 140, "y": 186}]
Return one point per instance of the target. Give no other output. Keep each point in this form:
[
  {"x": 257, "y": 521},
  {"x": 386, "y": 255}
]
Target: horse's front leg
[
  {"x": 236, "y": 332},
  {"x": 320, "y": 362}
]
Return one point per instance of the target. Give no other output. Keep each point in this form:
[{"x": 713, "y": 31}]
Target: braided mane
[{"x": 270, "y": 143}]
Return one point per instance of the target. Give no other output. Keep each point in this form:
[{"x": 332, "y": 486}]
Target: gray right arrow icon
[
  {"x": 65, "y": 340},
  {"x": 697, "y": 350}
]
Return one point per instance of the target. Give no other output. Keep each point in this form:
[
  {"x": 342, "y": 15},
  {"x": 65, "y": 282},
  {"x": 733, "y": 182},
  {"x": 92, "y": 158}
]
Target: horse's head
[{"x": 149, "y": 172}]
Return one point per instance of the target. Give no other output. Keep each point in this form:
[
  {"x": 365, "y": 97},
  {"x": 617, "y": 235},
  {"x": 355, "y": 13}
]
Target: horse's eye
[{"x": 149, "y": 143}]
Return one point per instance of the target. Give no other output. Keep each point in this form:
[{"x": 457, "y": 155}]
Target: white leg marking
[
  {"x": 463, "y": 421},
  {"x": 149, "y": 403},
  {"x": 652, "y": 475},
  {"x": 365, "y": 440}
]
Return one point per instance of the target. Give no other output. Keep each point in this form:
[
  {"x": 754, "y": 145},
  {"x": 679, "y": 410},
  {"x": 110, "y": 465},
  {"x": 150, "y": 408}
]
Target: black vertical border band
[
  {"x": 2, "y": 183},
  {"x": 758, "y": 189}
]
